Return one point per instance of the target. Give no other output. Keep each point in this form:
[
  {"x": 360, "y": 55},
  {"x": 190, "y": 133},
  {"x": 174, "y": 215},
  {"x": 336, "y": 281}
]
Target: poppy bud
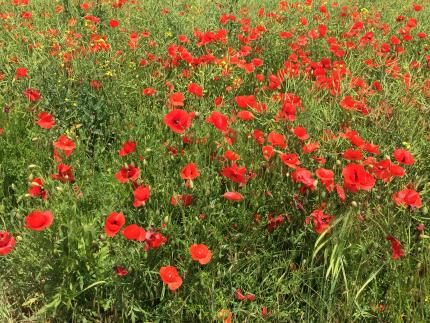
[
  {"x": 338, "y": 162},
  {"x": 32, "y": 166},
  {"x": 354, "y": 204},
  {"x": 425, "y": 210},
  {"x": 166, "y": 219}
]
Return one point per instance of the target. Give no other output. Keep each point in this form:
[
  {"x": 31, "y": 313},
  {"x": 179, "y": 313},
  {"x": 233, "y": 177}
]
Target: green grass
[{"x": 66, "y": 272}]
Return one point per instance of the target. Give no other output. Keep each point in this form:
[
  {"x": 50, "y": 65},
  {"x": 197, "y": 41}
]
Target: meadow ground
[{"x": 199, "y": 161}]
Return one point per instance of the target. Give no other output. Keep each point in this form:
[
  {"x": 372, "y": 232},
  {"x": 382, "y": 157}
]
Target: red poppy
[
  {"x": 21, "y": 72},
  {"x": 64, "y": 174},
  {"x": 134, "y": 232},
  {"x": 277, "y": 140},
  {"x": 310, "y": 147},
  {"x": 320, "y": 221},
  {"x": 127, "y": 148},
  {"x": 396, "y": 248},
  {"x": 195, "y": 89},
  {"x": 149, "y": 91},
  {"x": 32, "y": 94},
  {"x": 246, "y": 101},
  {"x": 7, "y": 243},
  {"x": 268, "y": 152},
  {"x": 234, "y": 173},
  {"x": 65, "y": 144},
  {"x": 114, "y": 223},
  {"x": 304, "y": 176},
  {"x": 45, "y": 120},
  {"x": 403, "y": 156},
  {"x": 356, "y": 178},
  {"x": 170, "y": 276},
  {"x": 351, "y": 154},
  {"x": 178, "y": 120},
  {"x": 327, "y": 178},
  {"x": 231, "y": 155},
  {"x": 37, "y": 189},
  {"x": 185, "y": 199},
  {"x": 218, "y": 120},
  {"x": 141, "y": 195},
  {"x": 39, "y": 220},
  {"x": 245, "y": 115},
  {"x": 200, "y": 253},
  {"x": 233, "y": 196},
  {"x": 239, "y": 296},
  {"x": 300, "y": 133},
  {"x": 154, "y": 239},
  {"x": 125, "y": 174},
  {"x": 291, "y": 160},
  {"x": 407, "y": 197},
  {"x": 113, "y": 23},
  {"x": 190, "y": 172},
  {"x": 177, "y": 99},
  {"x": 121, "y": 271},
  {"x": 340, "y": 192}
]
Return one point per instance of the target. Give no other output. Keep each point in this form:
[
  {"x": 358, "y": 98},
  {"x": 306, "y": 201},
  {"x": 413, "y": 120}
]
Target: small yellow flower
[
  {"x": 109, "y": 73},
  {"x": 364, "y": 11},
  {"x": 406, "y": 144}
]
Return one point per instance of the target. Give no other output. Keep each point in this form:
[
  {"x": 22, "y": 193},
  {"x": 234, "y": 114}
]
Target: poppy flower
[
  {"x": 127, "y": 148},
  {"x": 121, "y": 271},
  {"x": 304, "y": 176},
  {"x": 178, "y": 120},
  {"x": 356, "y": 178},
  {"x": 154, "y": 239},
  {"x": 64, "y": 174},
  {"x": 21, "y": 72},
  {"x": 218, "y": 120},
  {"x": 396, "y": 248},
  {"x": 231, "y": 155},
  {"x": 233, "y": 196},
  {"x": 177, "y": 99},
  {"x": 300, "y": 133},
  {"x": 326, "y": 176},
  {"x": 234, "y": 173},
  {"x": 195, "y": 89},
  {"x": 407, "y": 197},
  {"x": 7, "y": 243},
  {"x": 190, "y": 172},
  {"x": 246, "y": 101},
  {"x": 125, "y": 174},
  {"x": 291, "y": 160},
  {"x": 184, "y": 199},
  {"x": 277, "y": 140},
  {"x": 340, "y": 192},
  {"x": 245, "y": 115},
  {"x": 225, "y": 315},
  {"x": 45, "y": 120},
  {"x": 268, "y": 152},
  {"x": 134, "y": 232},
  {"x": 39, "y": 220},
  {"x": 65, "y": 144},
  {"x": 37, "y": 189},
  {"x": 170, "y": 276},
  {"x": 113, "y": 23},
  {"x": 32, "y": 94},
  {"x": 320, "y": 221},
  {"x": 403, "y": 156},
  {"x": 149, "y": 91},
  {"x": 200, "y": 253},
  {"x": 141, "y": 195},
  {"x": 114, "y": 223},
  {"x": 351, "y": 154}
]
